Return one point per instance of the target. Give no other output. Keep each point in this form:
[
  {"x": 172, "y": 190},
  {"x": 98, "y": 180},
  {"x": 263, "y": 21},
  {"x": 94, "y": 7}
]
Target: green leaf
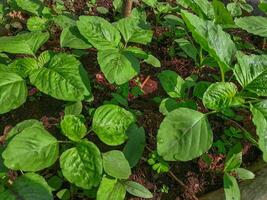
[
  {"x": 26, "y": 43},
  {"x": 64, "y": 21},
  {"x": 71, "y": 37},
  {"x": 253, "y": 24},
  {"x": 152, "y": 60},
  {"x": 117, "y": 4},
  {"x": 135, "y": 145},
  {"x": 231, "y": 188},
  {"x": 73, "y": 108},
  {"x": 188, "y": 48},
  {"x": 82, "y": 165},
  {"x": 233, "y": 162},
  {"x": 261, "y": 129},
  {"x": 33, "y": 149},
  {"x": 37, "y": 24},
  {"x": 234, "y": 8},
  {"x": 61, "y": 78},
  {"x": 64, "y": 194},
  {"x": 22, "y": 126},
  {"x": 116, "y": 165},
  {"x": 110, "y": 189},
  {"x": 221, "y": 95},
  {"x": 117, "y": 65},
  {"x": 55, "y": 183},
  {"x": 168, "y": 104},
  {"x": 183, "y": 135},
  {"x": 222, "y": 15},
  {"x": 99, "y": 32},
  {"x": 29, "y": 186},
  {"x": 251, "y": 73},
  {"x": 32, "y": 6},
  {"x": 244, "y": 174},
  {"x": 110, "y": 123},
  {"x": 172, "y": 83},
  {"x": 203, "y": 8},
  {"x": 137, "y": 189},
  {"x": 201, "y": 88},
  {"x": 211, "y": 38},
  {"x": 73, "y": 128},
  {"x": 131, "y": 30},
  {"x": 262, "y": 107},
  {"x": 263, "y": 5},
  {"x": 13, "y": 91},
  {"x": 137, "y": 52},
  {"x": 23, "y": 66}
]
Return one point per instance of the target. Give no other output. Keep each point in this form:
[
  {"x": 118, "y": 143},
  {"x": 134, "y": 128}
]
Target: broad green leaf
[
  {"x": 137, "y": 52},
  {"x": 37, "y": 24},
  {"x": 251, "y": 73},
  {"x": 110, "y": 189},
  {"x": 117, "y": 4},
  {"x": 55, "y": 183},
  {"x": 82, "y": 165},
  {"x": 201, "y": 88},
  {"x": 151, "y": 3},
  {"x": 132, "y": 31},
  {"x": 23, "y": 66},
  {"x": 71, "y": 37},
  {"x": 253, "y": 24},
  {"x": 152, "y": 60},
  {"x": 135, "y": 145},
  {"x": 244, "y": 174},
  {"x": 262, "y": 107},
  {"x": 233, "y": 162},
  {"x": 61, "y": 78},
  {"x": 26, "y": 43},
  {"x": 235, "y": 9},
  {"x": 222, "y": 15},
  {"x": 117, "y": 65},
  {"x": 22, "y": 126},
  {"x": 260, "y": 122},
  {"x": 211, "y": 38},
  {"x": 29, "y": 186},
  {"x": 33, "y": 149},
  {"x": 202, "y": 8},
  {"x": 221, "y": 95},
  {"x": 137, "y": 189},
  {"x": 116, "y": 165},
  {"x": 172, "y": 83},
  {"x": 32, "y": 6},
  {"x": 13, "y": 91},
  {"x": 231, "y": 188},
  {"x": 73, "y": 128},
  {"x": 188, "y": 48},
  {"x": 263, "y": 5},
  {"x": 183, "y": 135},
  {"x": 99, "y": 32},
  {"x": 110, "y": 123},
  {"x": 73, "y": 108},
  {"x": 167, "y": 105},
  {"x": 64, "y": 21}
]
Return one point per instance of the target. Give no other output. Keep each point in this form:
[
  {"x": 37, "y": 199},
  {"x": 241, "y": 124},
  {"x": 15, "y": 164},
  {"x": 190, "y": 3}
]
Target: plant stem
[
  {"x": 246, "y": 133},
  {"x": 127, "y": 8},
  {"x": 181, "y": 183}
]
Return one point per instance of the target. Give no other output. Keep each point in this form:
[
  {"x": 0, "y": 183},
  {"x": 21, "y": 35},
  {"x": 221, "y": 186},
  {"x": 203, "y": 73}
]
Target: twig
[
  {"x": 181, "y": 183},
  {"x": 145, "y": 81}
]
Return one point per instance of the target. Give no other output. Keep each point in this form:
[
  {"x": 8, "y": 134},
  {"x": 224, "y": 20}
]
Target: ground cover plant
[{"x": 114, "y": 100}]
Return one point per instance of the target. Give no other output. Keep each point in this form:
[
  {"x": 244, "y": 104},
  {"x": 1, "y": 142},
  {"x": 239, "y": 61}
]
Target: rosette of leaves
[
  {"x": 118, "y": 62},
  {"x": 61, "y": 75}
]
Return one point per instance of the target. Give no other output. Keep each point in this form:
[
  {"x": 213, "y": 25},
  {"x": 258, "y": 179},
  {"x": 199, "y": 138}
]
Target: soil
[{"x": 198, "y": 177}]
